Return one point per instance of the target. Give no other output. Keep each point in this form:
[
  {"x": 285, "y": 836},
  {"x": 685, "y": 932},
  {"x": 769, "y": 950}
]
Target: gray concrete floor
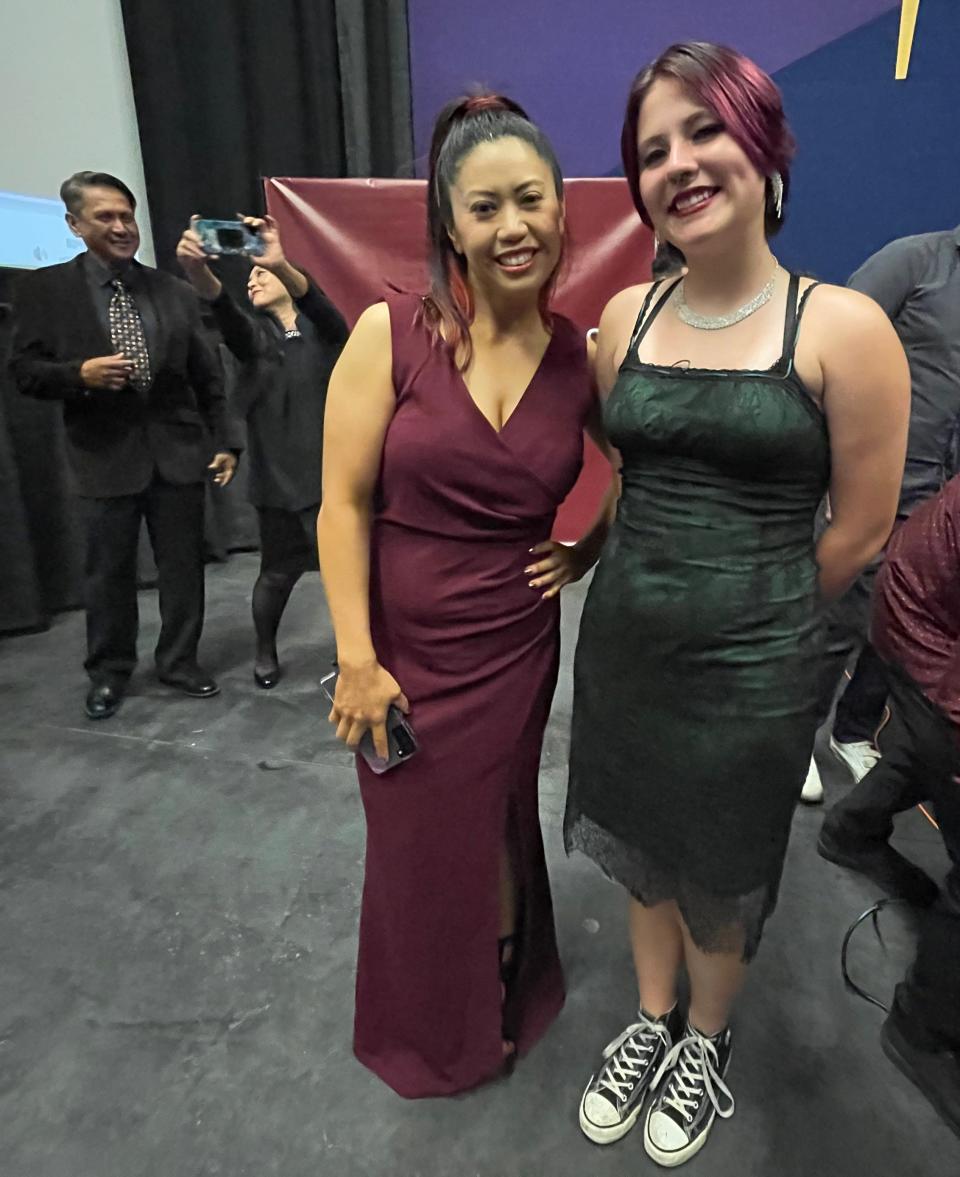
[{"x": 179, "y": 889}]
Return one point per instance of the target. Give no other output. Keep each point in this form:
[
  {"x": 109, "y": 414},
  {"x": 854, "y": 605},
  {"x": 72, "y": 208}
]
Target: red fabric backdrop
[{"x": 356, "y": 236}]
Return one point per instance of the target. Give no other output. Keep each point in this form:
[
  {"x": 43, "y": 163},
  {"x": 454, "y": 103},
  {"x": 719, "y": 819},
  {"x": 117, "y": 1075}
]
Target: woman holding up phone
[
  {"x": 287, "y": 340},
  {"x": 454, "y": 430}
]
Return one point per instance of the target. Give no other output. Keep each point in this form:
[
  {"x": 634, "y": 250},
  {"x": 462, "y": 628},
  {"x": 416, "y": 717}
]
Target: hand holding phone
[
  {"x": 383, "y": 746},
  {"x": 271, "y": 256}
]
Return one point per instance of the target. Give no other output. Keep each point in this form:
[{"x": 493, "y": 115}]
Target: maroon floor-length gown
[{"x": 475, "y": 649}]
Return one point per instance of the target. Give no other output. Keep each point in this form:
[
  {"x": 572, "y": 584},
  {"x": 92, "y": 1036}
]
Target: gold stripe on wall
[{"x": 908, "y": 25}]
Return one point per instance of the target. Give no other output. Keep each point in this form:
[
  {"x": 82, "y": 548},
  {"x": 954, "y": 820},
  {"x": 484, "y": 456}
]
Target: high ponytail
[{"x": 462, "y": 125}]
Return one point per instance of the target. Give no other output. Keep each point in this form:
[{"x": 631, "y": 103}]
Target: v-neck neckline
[{"x": 523, "y": 396}]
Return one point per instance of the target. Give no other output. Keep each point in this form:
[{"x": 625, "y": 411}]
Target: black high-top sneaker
[
  {"x": 689, "y": 1095},
  {"x": 613, "y": 1098}
]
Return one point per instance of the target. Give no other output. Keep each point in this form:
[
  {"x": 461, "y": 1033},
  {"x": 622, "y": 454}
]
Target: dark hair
[
  {"x": 72, "y": 189},
  {"x": 667, "y": 262},
  {"x": 460, "y": 127},
  {"x": 743, "y": 97}
]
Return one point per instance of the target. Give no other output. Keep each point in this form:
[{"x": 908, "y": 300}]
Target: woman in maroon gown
[{"x": 454, "y": 430}]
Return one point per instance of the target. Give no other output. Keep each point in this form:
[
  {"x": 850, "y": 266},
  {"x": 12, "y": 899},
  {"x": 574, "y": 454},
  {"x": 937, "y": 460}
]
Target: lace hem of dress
[{"x": 717, "y": 923}]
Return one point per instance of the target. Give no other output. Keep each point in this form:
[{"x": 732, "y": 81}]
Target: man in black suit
[{"x": 120, "y": 344}]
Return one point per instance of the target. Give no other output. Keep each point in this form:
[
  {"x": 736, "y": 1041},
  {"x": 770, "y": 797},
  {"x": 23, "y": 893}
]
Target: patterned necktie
[{"x": 127, "y": 335}]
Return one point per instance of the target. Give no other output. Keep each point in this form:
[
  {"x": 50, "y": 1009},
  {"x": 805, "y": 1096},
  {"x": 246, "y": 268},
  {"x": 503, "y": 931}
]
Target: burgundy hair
[
  {"x": 744, "y": 98},
  {"x": 463, "y": 124}
]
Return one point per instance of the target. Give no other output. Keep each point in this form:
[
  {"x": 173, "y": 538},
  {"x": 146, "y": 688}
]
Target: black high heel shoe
[{"x": 268, "y": 681}]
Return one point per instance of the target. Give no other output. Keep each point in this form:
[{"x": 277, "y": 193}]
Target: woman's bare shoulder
[
  {"x": 839, "y": 311},
  {"x": 624, "y": 306}
]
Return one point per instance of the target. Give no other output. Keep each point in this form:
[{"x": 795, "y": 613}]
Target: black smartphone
[
  {"x": 401, "y": 741},
  {"x": 228, "y": 237}
]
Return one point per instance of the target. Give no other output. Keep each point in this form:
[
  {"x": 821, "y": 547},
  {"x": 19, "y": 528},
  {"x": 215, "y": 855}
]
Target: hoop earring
[{"x": 776, "y": 188}]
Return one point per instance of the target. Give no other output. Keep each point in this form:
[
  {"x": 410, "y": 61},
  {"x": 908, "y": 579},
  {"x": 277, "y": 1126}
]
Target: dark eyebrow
[
  {"x": 474, "y": 192},
  {"x": 687, "y": 122}
]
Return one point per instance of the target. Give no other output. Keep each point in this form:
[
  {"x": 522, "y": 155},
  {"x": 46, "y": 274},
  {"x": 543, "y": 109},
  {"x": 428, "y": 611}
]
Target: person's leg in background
[
  {"x": 110, "y": 592},
  {"x": 856, "y": 830},
  {"x": 844, "y": 634},
  {"x": 922, "y": 1033},
  {"x": 860, "y": 711},
  {"x": 175, "y": 522},
  {"x": 845, "y": 630},
  {"x": 288, "y": 548}
]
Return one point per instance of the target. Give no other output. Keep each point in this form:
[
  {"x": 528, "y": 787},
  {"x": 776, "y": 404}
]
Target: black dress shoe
[
  {"x": 266, "y": 680},
  {"x": 880, "y": 863},
  {"x": 103, "y": 700},
  {"x": 196, "y": 683},
  {"x": 935, "y": 1071}
]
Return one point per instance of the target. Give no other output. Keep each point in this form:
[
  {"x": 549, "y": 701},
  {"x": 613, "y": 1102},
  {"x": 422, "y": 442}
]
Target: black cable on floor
[{"x": 848, "y": 981}]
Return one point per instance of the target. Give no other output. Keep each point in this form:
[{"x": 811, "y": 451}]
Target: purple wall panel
[{"x": 570, "y": 64}]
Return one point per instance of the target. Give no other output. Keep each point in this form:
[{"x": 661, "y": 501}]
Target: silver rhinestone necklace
[{"x": 718, "y": 322}]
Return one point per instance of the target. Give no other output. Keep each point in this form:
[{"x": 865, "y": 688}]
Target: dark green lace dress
[{"x": 695, "y": 677}]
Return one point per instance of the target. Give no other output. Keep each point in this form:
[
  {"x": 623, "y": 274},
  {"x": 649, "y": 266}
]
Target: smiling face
[
  {"x": 106, "y": 224},
  {"x": 696, "y": 182},
  {"x": 507, "y": 218},
  {"x": 265, "y": 290}
]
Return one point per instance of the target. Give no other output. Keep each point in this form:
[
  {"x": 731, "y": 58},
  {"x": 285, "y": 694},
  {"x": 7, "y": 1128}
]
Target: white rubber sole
[
  {"x": 670, "y": 1160},
  {"x": 615, "y": 1132}
]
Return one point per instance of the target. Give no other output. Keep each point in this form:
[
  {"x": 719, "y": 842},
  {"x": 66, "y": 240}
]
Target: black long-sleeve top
[{"x": 282, "y": 393}]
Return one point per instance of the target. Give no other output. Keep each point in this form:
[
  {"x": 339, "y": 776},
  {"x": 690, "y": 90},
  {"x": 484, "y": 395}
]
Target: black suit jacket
[{"x": 118, "y": 439}]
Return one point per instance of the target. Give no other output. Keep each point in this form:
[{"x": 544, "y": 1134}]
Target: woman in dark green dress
[{"x": 736, "y": 396}]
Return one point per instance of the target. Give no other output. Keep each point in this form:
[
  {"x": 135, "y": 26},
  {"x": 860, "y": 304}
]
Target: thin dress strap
[
  {"x": 790, "y": 341},
  {"x": 643, "y": 320},
  {"x": 790, "y": 319}
]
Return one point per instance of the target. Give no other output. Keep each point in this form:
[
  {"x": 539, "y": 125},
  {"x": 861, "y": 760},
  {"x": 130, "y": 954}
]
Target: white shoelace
[
  {"x": 628, "y": 1054},
  {"x": 695, "y": 1064}
]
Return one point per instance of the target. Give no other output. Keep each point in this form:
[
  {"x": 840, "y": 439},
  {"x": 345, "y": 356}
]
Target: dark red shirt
[{"x": 916, "y": 604}]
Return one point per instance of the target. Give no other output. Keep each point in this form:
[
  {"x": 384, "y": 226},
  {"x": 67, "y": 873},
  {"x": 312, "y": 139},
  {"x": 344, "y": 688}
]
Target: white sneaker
[
  {"x": 812, "y": 792},
  {"x": 613, "y": 1099},
  {"x": 859, "y": 757},
  {"x": 690, "y": 1094}
]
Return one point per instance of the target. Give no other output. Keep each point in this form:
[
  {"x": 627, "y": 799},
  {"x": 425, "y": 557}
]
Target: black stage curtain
[
  {"x": 229, "y": 91},
  {"x": 28, "y": 441}
]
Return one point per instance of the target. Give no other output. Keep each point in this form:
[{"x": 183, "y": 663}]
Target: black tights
[{"x": 270, "y": 596}]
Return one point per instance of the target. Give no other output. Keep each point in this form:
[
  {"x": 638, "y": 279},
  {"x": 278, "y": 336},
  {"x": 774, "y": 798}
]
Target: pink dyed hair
[{"x": 744, "y": 98}]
